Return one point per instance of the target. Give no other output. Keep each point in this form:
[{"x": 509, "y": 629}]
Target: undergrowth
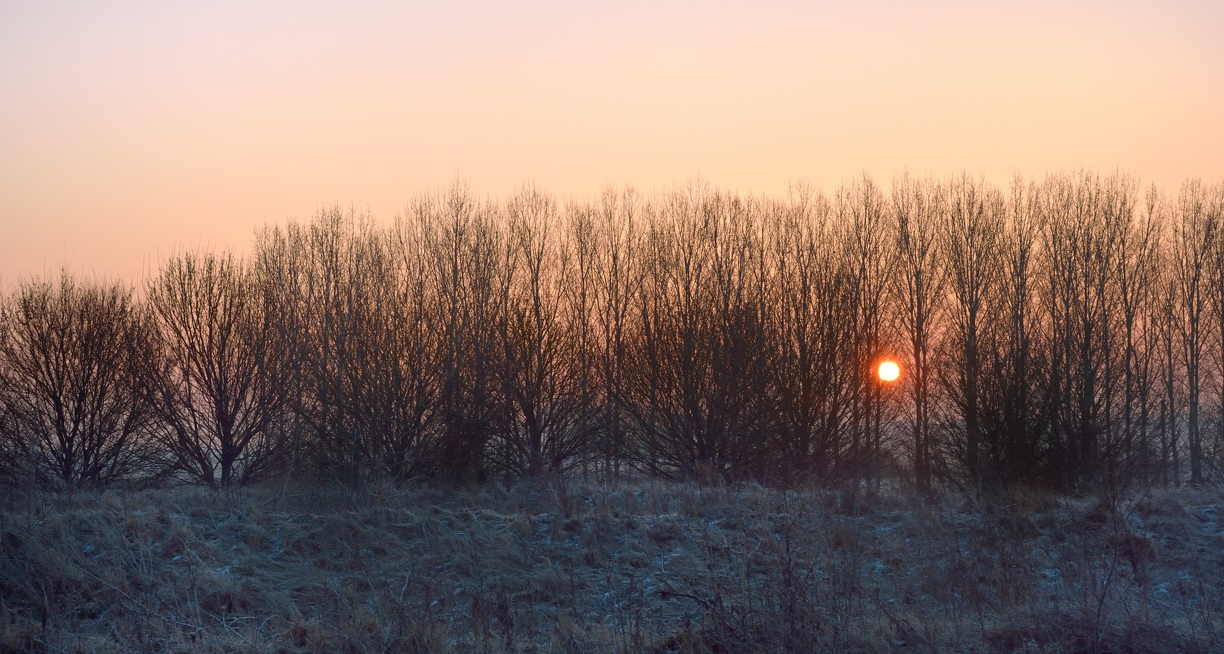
[{"x": 631, "y": 567}]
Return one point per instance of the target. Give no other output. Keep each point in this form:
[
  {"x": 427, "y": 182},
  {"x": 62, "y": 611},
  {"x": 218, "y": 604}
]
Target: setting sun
[{"x": 889, "y": 371}]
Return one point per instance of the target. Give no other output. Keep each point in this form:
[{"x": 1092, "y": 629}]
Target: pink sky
[{"x": 135, "y": 130}]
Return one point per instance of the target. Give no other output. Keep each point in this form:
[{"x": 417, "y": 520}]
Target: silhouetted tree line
[{"x": 1067, "y": 332}]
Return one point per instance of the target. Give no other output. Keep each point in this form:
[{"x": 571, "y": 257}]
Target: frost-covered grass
[{"x": 624, "y": 568}]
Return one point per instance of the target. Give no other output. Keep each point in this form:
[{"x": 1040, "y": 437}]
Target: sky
[{"x": 133, "y": 130}]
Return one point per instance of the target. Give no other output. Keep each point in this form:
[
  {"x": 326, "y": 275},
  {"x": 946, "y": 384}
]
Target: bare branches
[
  {"x": 1063, "y": 332},
  {"x": 70, "y": 380},
  {"x": 219, "y": 379},
  {"x": 918, "y": 217}
]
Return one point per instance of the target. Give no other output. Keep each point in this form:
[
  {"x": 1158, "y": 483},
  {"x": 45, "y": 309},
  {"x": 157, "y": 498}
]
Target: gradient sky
[{"x": 129, "y": 131}]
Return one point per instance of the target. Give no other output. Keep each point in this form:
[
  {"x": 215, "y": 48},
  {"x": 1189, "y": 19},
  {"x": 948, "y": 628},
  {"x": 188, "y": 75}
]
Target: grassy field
[{"x": 634, "y": 567}]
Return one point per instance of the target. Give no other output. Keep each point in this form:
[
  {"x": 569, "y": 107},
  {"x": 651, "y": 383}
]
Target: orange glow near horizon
[
  {"x": 129, "y": 131},
  {"x": 889, "y": 371}
]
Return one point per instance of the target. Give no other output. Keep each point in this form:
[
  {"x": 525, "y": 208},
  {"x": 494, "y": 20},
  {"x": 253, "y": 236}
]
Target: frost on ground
[{"x": 633, "y": 567}]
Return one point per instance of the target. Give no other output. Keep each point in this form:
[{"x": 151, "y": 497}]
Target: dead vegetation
[{"x": 628, "y": 568}]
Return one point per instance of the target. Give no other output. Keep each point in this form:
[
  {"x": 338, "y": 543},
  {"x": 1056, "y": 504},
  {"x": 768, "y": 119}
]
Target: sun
[{"x": 889, "y": 371}]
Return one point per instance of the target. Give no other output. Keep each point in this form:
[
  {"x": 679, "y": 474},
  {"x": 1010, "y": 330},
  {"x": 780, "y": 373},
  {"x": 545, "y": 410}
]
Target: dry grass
[{"x": 631, "y": 568}]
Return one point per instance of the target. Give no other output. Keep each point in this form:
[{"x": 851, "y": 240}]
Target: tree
[
  {"x": 607, "y": 240},
  {"x": 220, "y": 379},
  {"x": 697, "y": 387},
  {"x": 1013, "y": 351},
  {"x": 861, "y": 212},
  {"x": 917, "y": 283},
  {"x": 813, "y": 368},
  {"x": 1082, "y": 249},
  {"x": 972, "y": 240},
  {"x": 1138, "y": 251},
  {"x": 70, "y": 375},
  {"x": 540, "y": 367},
  {"x": 465, "y": 263},
  {"x": 1194, "y": 241}
]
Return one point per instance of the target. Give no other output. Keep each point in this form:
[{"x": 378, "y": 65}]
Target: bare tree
[
  {"x": 669, "y": 388},
  {"x": 1194, "y": 241},
  {"x": 1081, "y": 242},
  {"x": 814, "y": 368},
  {"x": 220, "y": 382},
  {"x": 343, "y": 303},
  {"x": 408, "y": 381},
  {"x": 1013, "y": 350},
  {"x": 861, "y": 211},
  {"x": 1168, "y": 350},
  {"x": 1214, "y": 206},
  {"x": 1139, "y": 249},
  {"x": 539, "y": 369},
  {"x": 917, "y": 283},
  {"x": 465, "y": 262},
  {"x": 70, "y": 360},
  {"x": 612, "y": 240},
  {"x": 1063, "y": 335},
  {"x": 972, "y": 241},
  {"x": 696, "y": 386},
  {"x": 742, "y": 416}
]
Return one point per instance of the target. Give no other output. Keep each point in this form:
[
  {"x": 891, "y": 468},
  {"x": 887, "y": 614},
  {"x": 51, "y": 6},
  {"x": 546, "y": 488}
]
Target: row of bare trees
[{"x": 1067, "y": 332}]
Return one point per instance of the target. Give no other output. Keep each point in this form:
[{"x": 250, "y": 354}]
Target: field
[{"x": 632, "y": 567}]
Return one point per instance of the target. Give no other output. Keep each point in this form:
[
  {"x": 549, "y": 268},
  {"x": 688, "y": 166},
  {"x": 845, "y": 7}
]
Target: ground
[{"x": 626, "y": 567}]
